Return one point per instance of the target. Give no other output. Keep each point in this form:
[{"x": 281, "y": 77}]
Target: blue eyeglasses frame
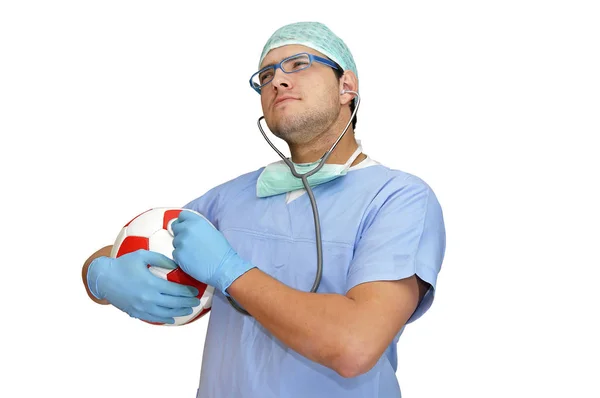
[{"x": 311, "y": 57}]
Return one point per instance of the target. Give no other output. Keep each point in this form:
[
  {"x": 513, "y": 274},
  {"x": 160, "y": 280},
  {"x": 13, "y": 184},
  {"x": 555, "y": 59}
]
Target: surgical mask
[{"x": 277, "y": 178}]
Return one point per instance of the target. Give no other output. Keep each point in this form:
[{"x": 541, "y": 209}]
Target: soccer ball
[{"x": 151, "y": 230}]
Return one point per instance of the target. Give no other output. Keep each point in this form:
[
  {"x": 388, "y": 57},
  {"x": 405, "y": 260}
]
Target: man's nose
[{"x": 281, "y": 79}]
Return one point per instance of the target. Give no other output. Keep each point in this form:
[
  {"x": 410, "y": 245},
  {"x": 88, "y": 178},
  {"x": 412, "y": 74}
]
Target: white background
[{"x": 109, "y": 108}]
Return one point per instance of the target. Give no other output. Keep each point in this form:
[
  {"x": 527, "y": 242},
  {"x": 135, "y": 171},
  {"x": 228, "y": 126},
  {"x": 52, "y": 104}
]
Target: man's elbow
[{"x": 356, "y": 360}]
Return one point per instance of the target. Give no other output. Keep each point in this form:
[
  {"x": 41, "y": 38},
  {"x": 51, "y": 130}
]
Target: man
[{"x": 383, "y": 242}]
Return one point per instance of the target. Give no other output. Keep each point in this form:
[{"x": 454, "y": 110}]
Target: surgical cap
[{"x": 316, "y": 36}]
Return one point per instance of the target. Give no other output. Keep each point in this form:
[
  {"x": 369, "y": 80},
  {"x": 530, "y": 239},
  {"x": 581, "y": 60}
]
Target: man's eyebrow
[{"x": 263, "y": 67}]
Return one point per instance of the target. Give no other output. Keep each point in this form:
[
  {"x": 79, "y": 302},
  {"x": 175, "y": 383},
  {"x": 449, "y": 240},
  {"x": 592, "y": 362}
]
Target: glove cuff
[
  {"x": 236, "y": 267},
  {"x": 93, "y": 274}
]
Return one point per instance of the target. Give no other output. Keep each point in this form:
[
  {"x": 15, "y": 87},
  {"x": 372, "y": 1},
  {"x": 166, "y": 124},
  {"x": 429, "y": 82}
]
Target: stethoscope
[{"x": 304, "y": 178}]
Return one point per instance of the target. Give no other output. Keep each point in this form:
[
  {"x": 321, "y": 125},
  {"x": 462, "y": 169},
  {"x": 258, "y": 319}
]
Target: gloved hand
[
  {"x": 204, "y": 253},
  {"x": 127, "y": 284}
]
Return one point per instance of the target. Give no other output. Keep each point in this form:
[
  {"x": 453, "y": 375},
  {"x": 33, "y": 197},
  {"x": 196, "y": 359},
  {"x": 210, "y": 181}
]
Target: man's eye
[
  {"x": 300, "y": 64},
  {"x": 265, "y": 76}
]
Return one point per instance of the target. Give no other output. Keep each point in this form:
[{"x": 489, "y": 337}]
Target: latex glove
[
  {"x": 127, "y": 284},
  {"x": 204, "y": 253}
]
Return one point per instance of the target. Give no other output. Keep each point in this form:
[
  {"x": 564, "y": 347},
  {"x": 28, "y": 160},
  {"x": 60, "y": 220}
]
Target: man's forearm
[{"x": 322, "y": 327}]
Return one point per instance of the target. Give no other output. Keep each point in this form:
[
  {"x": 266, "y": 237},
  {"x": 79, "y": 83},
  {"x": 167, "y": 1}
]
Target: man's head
[{"x": 299, "y": 105}]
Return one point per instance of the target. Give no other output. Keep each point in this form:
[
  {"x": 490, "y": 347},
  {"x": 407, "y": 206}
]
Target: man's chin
[
  {"x": 283, "y": 128},
  {"x": 289, "y": 129},
  {"x": 288, "y": 135}
]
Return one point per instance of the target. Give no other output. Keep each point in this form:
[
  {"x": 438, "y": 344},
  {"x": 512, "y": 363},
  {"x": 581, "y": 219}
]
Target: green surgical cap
[{"x": 316, "y": 36}]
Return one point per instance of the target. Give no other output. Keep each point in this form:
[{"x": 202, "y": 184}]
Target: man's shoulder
[
  {"x": 241, "y": 182},
  {"x": 379, "y": 186},
  {"x": 210, "y": 201},
  {"x": 386, "y": 178}
]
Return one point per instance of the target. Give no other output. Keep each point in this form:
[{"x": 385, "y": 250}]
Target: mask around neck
[{"x": 277, "y": 178}]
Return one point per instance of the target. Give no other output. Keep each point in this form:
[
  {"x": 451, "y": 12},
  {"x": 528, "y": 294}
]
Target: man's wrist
[
  {"x": 94, "y": 272},
  {"x": 236, "y": 267}
]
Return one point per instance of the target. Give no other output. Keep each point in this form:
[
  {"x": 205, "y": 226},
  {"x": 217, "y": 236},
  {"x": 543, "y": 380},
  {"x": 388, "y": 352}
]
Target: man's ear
[{"x": 348, "y": 82}]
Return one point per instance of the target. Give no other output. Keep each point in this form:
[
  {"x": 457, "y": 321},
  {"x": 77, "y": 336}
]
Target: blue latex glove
[
  {"x": 128, "y": 285},
  {"x": 204, "y": 253}
]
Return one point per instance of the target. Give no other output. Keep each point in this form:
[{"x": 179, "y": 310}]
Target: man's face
[{"x": 299, "y": 106}]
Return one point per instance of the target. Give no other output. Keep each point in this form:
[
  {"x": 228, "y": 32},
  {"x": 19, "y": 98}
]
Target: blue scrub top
[{"x": 377, "y": 224}]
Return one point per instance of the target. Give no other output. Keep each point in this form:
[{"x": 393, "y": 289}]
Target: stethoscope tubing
[{"x": 311, "y": 196}]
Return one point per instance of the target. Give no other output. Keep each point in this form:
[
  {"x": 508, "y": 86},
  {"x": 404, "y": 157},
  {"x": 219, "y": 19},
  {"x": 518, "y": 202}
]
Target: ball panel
[
  {"x": 159, "y": 271},
  {"x": 162, "y": 242},
  {"x": 133, "y": 243},
  {"x": 146, "y": 224},
  {"x": 206, "y": 299},
  {"x": 169, "y": 216},
  {"x": 118, "y": 242}
]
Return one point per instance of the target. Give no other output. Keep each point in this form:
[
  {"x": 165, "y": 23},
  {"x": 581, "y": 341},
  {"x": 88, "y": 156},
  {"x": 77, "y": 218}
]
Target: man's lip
[{"x": 282, "y": 99}]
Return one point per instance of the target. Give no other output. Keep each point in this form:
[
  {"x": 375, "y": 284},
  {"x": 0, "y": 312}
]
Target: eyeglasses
[{"x": 292, "y": 64}]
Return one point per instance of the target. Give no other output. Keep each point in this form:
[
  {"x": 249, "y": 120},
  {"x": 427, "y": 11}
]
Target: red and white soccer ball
[{"x": 151, "y": 230}]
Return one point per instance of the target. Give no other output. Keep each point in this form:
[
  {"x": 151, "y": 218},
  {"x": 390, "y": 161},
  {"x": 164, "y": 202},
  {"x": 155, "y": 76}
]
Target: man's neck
[{"x": 315, "y": 149}]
